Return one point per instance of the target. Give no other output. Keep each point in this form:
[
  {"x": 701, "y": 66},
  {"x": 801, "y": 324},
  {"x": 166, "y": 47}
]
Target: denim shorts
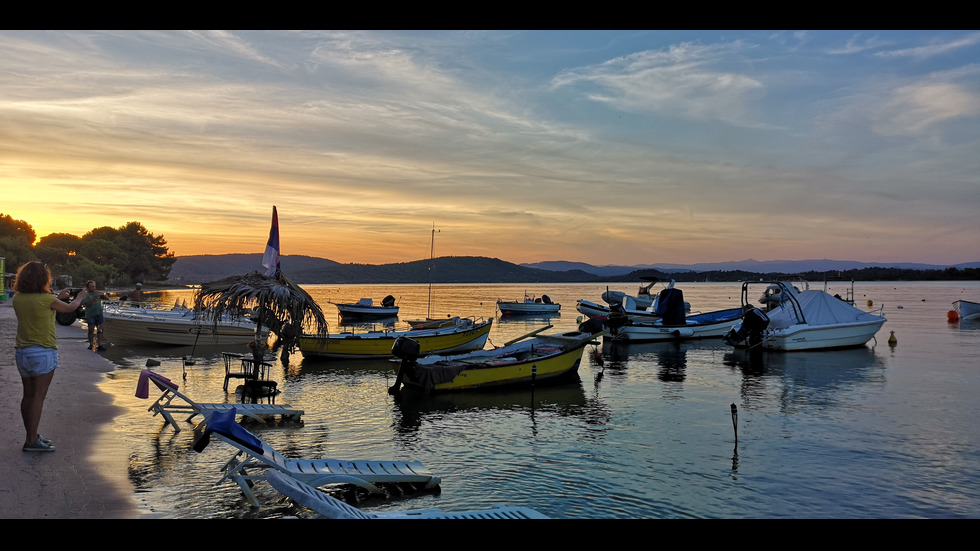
[
  {"x": 95, "y": 321},
  {"x": 36, "y": 360}
]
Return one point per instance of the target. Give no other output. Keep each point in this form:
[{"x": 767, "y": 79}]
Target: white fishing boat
[
  {"x": 365, "y": 308},
  {"x": 529, "y": 306},
  {"x": 699, "y": 326},
  {"x": 967, "y": 310},
  {"x": 806, "y": 320},
  {"x": 179, "y": 326}
]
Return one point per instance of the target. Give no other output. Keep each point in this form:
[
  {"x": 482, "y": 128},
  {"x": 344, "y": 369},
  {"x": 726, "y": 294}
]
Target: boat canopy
[{"x": 818, "y": 308}]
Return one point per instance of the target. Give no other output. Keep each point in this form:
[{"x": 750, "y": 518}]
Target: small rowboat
[{"x": 525, "y": 361}]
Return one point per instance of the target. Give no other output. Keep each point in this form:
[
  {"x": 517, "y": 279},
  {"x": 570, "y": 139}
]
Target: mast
[{"x": 432, "y": 253}]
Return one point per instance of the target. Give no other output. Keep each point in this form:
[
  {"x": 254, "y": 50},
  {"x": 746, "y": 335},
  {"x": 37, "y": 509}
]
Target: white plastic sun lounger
[
  {"x": 329, "y": 507},
  {"x": 164, "y": 404},
  {"x": 253, "y": 452}
]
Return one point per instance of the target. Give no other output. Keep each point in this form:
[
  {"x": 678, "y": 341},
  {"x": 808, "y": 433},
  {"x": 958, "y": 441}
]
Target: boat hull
[
  {"x": 593, "y": 310},
  {"x": 378, "y": 344},
  {"x": 366, "y": 312},
  {"x": 967, "y": 310},
  {"x": 810, "y": 337},
  {"x": 703, "y": 326},
  {"x": 504, "y": 371},
  {"x": 121, "y": 329},
  {"x": 527, "y": 309}
]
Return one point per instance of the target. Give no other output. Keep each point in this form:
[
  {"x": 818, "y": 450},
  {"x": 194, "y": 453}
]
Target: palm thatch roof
[{"x": 283, "y": 306}]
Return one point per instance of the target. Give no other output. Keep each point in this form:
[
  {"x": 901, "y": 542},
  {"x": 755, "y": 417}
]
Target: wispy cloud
[
  {"x": 682, "y": 80},
  {"x": 598, "y": 146},
  {"x": 938, "y": 46}
]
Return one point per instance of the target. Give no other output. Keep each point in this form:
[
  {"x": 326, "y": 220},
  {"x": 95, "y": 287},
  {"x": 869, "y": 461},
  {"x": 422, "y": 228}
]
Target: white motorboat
[
  {"x": 673, "y": 323},
  {"x": 643, "y": 299},
  {"x": 529, "y": 306},
  {"x": 967, "y": 310},
  {"x": 643, "y": 305},
  {"x": 365, "y": 308},
  {"x": 699, "y": 326},
  {"x": 628, "y": 307},
  {"x": 634, "y": 308},
  {"x": 178, "y": 326},
  {"x": 804, "y": 320}
]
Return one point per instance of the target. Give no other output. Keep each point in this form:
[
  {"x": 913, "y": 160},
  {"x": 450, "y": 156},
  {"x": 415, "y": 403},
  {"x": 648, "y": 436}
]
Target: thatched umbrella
[{"x": 280, "y": 304}]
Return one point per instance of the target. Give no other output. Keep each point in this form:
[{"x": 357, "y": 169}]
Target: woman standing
[{"x": 36, "y": 348}]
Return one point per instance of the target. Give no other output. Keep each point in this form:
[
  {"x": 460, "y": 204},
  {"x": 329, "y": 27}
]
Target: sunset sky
[{"x": 605, "y": 147}]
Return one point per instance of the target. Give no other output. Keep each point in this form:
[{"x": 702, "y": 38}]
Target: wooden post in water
[{"x": 735, "y": 422}]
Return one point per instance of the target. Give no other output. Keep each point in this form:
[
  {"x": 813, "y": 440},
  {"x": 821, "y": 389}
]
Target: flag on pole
[{"x": 271, "y": 259}]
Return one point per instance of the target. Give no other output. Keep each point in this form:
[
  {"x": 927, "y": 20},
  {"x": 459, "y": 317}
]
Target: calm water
[{"x": 879, "y": 431}]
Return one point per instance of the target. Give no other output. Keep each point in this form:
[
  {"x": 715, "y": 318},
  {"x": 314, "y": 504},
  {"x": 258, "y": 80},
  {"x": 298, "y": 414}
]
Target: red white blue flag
[{"x": 271, "y": 259}]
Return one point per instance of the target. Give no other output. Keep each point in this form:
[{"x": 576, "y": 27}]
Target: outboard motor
[
  {"x": 388, "y": 301},
  {"x": 670, "y": 307},
  {"x": 754, "y": 324},
  {"x": 591, "y": 326},
  {"x": 408, "y": 351}
]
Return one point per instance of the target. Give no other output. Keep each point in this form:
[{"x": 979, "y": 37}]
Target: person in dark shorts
[{"x": 93, "y": 316}]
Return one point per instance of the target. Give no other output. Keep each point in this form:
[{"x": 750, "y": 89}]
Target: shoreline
[{"x": 88, "y": 475}]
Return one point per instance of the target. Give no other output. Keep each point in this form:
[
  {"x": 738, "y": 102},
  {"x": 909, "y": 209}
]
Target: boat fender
[{"x": 686, "y": 332}]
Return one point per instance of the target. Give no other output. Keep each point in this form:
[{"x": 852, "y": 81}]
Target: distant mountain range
[
  {"x": 758, "y": 266},
  {"x": 472, "y": 269}
]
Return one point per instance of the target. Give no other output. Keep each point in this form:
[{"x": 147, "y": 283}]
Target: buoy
[
  {"x": 952, "y": 316},
  {"x": 869, "y": 302},
  {"x": 892, "y": 340}
]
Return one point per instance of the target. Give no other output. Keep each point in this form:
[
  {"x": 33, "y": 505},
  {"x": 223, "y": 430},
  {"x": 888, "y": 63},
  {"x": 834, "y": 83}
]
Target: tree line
[{"x": 109, "y": 256}]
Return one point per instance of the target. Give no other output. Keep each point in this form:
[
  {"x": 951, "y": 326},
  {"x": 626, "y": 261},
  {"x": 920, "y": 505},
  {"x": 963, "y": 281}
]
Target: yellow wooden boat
[
  {"x": 466, "y": 335},
  {"x": 543, "y": 358}
]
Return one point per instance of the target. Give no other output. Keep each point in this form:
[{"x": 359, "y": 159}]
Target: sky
[{"x": 604, "y": 147}]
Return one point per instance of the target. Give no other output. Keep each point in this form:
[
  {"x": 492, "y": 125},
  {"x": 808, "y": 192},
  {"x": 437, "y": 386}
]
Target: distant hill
[
  {"x": 756, "y": 266},
  {"x": 191, "y": 270},
  {"x": 201, "y": 268}
]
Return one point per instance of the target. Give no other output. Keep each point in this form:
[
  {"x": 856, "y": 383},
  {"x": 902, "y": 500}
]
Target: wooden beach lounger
[
  {"x": 329, "y": 507},
  {"x": 164, "y": 404},
  {"x": 254, "y": 453}
]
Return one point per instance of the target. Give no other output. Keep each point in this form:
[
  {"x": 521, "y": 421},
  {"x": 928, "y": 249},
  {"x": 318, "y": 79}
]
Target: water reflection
[{"x": 815, "y": 378}]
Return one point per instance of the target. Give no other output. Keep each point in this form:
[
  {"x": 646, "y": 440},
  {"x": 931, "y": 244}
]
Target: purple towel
[{"x": 143, "y": 386}]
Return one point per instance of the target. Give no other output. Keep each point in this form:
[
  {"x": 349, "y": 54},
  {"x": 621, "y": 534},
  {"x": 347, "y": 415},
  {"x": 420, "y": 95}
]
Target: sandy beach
[{"x": 87, "y": 476}]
